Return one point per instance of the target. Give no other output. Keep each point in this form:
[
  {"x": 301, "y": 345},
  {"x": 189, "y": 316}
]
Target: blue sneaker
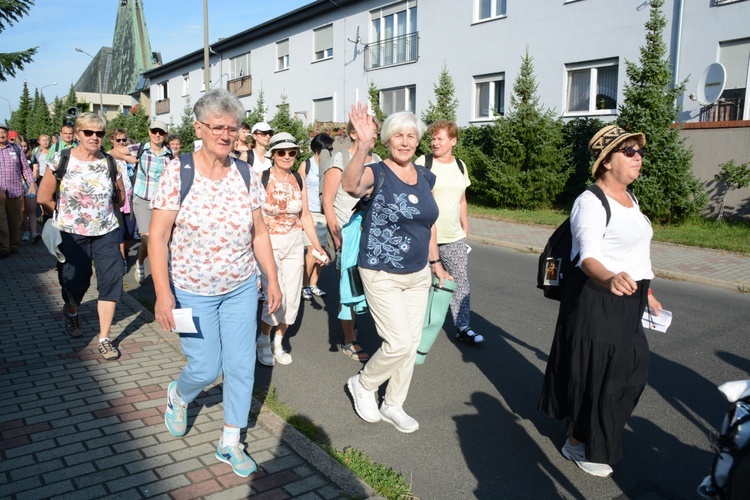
[
  {"x": 235, "y": 455},
  {"x": 176, "y": 414}
]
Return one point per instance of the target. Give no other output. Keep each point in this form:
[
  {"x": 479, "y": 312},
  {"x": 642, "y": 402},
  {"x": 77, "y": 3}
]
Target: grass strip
[
  {"x": 386, "y": 481},
  {"x": 730, "y": 236}
]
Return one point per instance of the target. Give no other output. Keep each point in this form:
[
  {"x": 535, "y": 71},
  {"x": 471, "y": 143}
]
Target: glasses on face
[
  {"x": 157, "y": 131},
  {"x": 631, "y": 151},
  {"x": 264, "y": 132},
  {"x": 89, "y": 133},
  {"x": 125, "y": 139},
  {"x": 217, "y": 130},
  {"x": 283, "y": 152}
]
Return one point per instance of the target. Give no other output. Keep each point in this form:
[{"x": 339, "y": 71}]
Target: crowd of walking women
[{"x": 217, "y": 222}]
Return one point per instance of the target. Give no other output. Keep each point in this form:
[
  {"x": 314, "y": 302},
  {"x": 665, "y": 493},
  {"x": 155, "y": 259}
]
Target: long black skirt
[{"x": 598, "y": 364}]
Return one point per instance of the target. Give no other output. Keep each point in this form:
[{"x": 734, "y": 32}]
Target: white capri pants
[{"x": 289, "y": 254}]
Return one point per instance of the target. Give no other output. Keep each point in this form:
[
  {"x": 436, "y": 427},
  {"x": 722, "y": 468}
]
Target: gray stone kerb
[{"x": 312, "y": 453}]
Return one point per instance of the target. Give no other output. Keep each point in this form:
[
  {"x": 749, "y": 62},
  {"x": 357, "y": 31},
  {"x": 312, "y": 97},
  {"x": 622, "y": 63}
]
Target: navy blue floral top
[{"x": 396, "y": 231}]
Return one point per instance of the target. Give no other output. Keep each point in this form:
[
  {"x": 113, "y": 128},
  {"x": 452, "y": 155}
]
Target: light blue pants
[{"x": 224, "y": 345}]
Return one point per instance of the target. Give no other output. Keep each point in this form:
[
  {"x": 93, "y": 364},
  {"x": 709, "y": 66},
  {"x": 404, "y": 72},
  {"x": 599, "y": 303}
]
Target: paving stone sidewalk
[{"x": 76, "y": 426}]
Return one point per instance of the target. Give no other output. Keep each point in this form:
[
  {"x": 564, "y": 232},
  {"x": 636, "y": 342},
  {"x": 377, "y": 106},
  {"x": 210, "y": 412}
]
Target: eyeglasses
[
  {"x": 283, "y": 152},
  {"x": 157, "y": 131},
  {"x": 122, "y": 140},
  {"x": 264, "y": 132},
  {"x": 217, "y": 130},
  {"x": 631, "y": 151},
  {"x": 89, "y": 133}
]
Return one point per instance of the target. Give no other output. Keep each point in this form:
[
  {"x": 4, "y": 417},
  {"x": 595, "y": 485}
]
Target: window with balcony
[
  {"x": 323, "y": 45},
  {"x": 398, "y": 99},
  {"x": 240, "y": 82},
  {"x": 323, "y": 109},
  {"x": 185, "y": 85},
  {"x": 592, "y": 88},
  {"x": 394, "y": 36},
  {"x": 490, "y": 9},
  {"x": 282, "y": 55},
  {"x": 732, "y": 105},
  {"x": 489, "y": 96}
]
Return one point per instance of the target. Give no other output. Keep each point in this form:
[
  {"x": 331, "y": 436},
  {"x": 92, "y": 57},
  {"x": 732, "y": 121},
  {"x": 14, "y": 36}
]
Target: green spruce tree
[
  {"x": 446, "y": 104},
  {"x": 58, "y": 114},
  {"x": 20, "y": 117},
  {"x": 530, "y": 157},
  {"x": 11, "y": 11},
  {"x": 258, "y": 114},
  {"x": 667, "y": 189},
  {"x": 283, "y": 121},
  {"x": 373, "y": 94},
  {"x": 186, "y": 128},
  {"x": 40, "y": 121}
]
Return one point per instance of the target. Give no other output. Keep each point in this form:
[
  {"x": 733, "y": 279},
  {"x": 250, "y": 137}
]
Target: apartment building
[{"x": 324, "y": 56}]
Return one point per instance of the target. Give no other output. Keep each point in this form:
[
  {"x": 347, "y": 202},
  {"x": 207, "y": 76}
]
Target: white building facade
[{"x": 324, "y": 56}]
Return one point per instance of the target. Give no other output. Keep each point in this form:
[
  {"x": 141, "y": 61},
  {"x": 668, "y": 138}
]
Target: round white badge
[{"x": 413, "y": 198}]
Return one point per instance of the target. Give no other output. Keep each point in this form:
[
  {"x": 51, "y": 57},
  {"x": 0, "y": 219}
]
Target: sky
[{"x": 175, "y": 28}]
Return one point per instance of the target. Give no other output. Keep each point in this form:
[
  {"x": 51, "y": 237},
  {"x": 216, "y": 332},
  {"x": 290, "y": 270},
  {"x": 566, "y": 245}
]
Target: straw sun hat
[{"x": 607, "y": 139}]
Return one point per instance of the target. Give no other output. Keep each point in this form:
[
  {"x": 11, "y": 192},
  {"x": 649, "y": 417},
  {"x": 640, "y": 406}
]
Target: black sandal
[
  {"x": 469, "y": 336},
  {"x": 351, "y": 352}
]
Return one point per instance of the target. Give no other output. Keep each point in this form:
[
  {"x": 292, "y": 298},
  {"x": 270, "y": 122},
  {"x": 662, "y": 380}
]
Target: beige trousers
[
  {"x": 289, "y": 254},
  {"x": 398, "y": 303}
]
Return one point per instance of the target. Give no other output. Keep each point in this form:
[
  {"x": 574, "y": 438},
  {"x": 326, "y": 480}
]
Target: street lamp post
[
  {"x": 99, "y": 66},
  {"x": 10, "y": 111},
  {"x": 41, "y": 90}
]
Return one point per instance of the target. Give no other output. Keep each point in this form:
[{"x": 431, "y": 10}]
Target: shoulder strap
[
  {"x": 250, "y": 157},
  {"x": 138, "y": 155},
  {"x": 187, "y": 174},
  {"x": 244, "y": 170},
  {"x": 63, "y": 165},
  {"x": 112, "y": 175},
  {"x": 298, "y": 177},
  {"x": 605, "y": 203},
  {"x": 307, "y": 166},
  {"x": 461, "y": 166},
  {"x": 428, "y": 161},
  {"x": 265, "y": 176},
  {"x": 19, "y": 153}
]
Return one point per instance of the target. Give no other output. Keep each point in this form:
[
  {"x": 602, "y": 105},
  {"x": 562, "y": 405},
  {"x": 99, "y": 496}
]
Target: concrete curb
[
  {"x": 312, "y": 453},
  {"x": 662, "y": 273}
]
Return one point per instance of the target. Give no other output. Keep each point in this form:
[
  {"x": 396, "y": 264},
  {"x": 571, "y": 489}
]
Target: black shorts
[{"x": 75, "y": 273}]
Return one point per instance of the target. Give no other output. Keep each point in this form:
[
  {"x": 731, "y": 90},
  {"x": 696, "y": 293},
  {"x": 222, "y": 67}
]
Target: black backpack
[
  {"x": 63, "y": 167},
  {"x": 266, "y": 175},
  {"x": 554, "y": 262},
  {"x": 428, "y": 163},
  {"x": 187, "y": 173}
]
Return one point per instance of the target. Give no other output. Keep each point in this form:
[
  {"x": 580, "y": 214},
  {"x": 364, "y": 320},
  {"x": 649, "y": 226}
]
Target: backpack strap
[
  {"x": 187, "y": 174},
  {"x": 266, "y": 176},
  {"x": 298, "y": 177},
  {"x": 428, "y": 163},
  {"x": 138, "y": 155},
  {"x": 113, "y": 176},
  {"x": 603, "y": 198},
  {"x": 62, "y": 167},
  {"x": 307, "y": 166}
]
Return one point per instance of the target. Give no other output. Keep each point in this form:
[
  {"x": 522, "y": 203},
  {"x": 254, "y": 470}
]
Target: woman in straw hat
[{"x": 598, "y": 364}]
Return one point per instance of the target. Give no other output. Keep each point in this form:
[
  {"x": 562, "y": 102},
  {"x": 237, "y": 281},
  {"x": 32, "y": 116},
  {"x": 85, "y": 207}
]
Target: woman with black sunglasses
[
  {"x": 85, "y": 215},
  {"x": 598, "y": 364}
]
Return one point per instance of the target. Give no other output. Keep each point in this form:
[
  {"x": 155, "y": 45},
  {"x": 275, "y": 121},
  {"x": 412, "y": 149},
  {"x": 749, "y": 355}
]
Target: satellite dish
[{"x": 711, "y": 84}]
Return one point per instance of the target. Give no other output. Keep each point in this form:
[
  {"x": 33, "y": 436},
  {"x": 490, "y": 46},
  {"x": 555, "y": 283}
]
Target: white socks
[
  {"x": 277, "y": 343},
  {"x": 231, "y": 435}
]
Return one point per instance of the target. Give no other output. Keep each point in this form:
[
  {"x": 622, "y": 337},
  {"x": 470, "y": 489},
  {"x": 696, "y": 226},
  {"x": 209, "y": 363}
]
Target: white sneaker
[
  {"x": 397, "y": 416},
  {"x": 578, "y": 455},
  {"x": 281, "y": 357},
  {"x": 26, "y": 236},
  {"x": 365, "y": 402},
  {"x": 140, "y": 273},
  {"x": 263, "y": 349}
]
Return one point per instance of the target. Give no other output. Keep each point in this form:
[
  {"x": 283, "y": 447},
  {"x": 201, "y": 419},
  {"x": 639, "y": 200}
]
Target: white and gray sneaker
[
  {"x": 578, "y": 455},
  {"x": 365, "y": 402},
  {"x": 397, "y": 416}
]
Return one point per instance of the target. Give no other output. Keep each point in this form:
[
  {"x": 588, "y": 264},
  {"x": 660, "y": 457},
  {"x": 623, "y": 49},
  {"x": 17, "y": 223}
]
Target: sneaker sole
[
  {"x": 400, "y": 429},
  {"x": 356, "y": 408},
  {"x": 589, "y": 472},
  {"x": 166, "y": 422},
  {"x": 241, "y": 474}
]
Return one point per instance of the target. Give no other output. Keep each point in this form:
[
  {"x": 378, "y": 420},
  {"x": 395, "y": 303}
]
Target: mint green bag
[{"x": 437, "y": 307}]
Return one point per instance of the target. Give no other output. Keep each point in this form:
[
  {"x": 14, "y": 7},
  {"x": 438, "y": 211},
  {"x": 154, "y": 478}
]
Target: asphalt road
[{"x": 481, "y": 435}]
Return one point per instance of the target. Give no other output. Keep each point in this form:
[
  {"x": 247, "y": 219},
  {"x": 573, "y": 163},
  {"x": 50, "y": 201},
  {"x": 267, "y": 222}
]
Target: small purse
[{"x": 52, "y": 238}]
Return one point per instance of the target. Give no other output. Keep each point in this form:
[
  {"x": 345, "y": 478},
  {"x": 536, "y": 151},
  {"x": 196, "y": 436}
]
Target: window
[
  {"x": 163, "y": 91},
  {"x": 185, "y": 85},
  {"x": 239, "y": 66},
  {"x": 735, "y": 56},
  {"x": 592, "y": 87},
  {"x": 323, "y": 43},
  {"x": 489, "y": 96},
  {"x": 491, "y": 9},
  {"x": 323, "y": 109},
  {"x": 126, "y": 110},
  {"x": 398, "y": 99},
  {"x": 282, "y": 55},
  {"x": 394, "y": 35}
]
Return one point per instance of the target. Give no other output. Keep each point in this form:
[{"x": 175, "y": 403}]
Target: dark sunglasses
[
  {"x": 157, "y": 131},
  {"x": 631, "y": 151},
  {"x": 121, "y": 140},
  {"x": 283, "y": 152},
  {"x": 264, "y": 132},
  {"x": 89, "y": 133}
]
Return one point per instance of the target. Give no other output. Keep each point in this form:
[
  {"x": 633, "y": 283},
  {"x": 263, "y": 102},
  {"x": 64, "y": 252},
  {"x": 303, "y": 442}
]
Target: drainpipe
[{"x": 679, "y": 8}]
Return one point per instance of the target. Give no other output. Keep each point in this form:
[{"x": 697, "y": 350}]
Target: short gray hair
[
  {"x": 218, "y": 102},
  {"x": 401, "y": 122}
]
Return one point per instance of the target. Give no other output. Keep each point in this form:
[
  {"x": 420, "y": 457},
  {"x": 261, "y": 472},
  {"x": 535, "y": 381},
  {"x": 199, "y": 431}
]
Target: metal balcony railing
[
  {"x": 162, "y": 107},
  {"x": 399, "y": 50},
  {"x": 241, "y": 87},
  {"x": 723, "y": 110}
]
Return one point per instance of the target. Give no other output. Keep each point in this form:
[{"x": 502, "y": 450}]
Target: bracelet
[
  {"x": 650, "y": 292},
  {"x": 435, "y": 261}
]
